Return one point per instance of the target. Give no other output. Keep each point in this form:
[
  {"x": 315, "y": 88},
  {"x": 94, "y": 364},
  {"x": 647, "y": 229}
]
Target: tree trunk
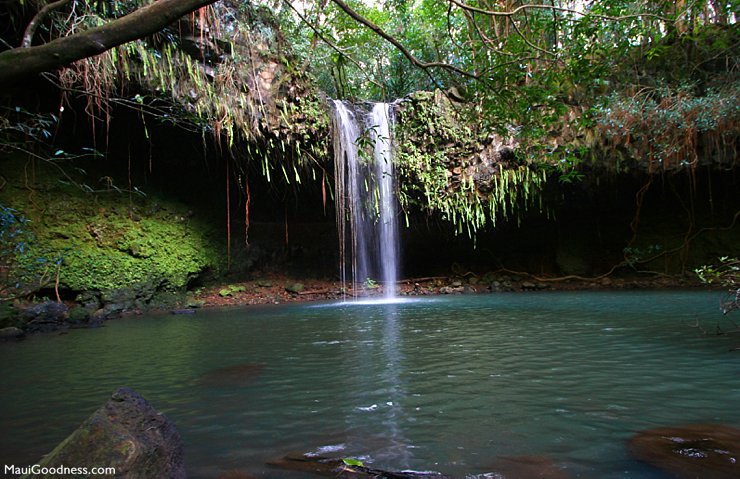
[{"x": 19, "y": 64}]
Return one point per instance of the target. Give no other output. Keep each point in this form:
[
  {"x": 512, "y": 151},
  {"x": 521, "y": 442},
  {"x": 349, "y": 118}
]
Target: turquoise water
[{"x": 451, "y": 384}]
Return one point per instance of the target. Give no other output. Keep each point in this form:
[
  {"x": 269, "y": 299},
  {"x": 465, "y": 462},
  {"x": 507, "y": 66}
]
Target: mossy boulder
[
  {"x": 113, "y": 253},
  {"x": 126, "y": 433},
  {"x": 79, "y": 316},
  {"x": 295, "y": 288}
]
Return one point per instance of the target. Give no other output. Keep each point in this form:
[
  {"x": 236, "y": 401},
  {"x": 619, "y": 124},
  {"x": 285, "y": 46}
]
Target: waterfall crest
[{"x": 365, "y": 196}]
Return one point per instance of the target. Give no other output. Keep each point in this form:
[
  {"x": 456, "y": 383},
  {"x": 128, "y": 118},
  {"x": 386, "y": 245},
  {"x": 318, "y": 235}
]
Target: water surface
[{"x": 451, "y": 384}]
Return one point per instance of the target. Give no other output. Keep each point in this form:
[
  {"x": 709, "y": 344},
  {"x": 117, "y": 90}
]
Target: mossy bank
[{"x": 104, "y": 248}]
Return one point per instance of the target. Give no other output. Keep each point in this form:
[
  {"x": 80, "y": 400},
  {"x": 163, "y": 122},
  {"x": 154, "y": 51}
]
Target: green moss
[
  {"x": 230, "y": 290},
  {"x": 9, "y": 316},
  {"x": 110, "y": 241}
]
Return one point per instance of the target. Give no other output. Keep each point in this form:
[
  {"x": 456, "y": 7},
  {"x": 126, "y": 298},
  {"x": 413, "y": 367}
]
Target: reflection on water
[{"x": 458, "y": 384}]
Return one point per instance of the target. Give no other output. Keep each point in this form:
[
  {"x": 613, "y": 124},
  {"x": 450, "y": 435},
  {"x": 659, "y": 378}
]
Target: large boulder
[
  {"x": 127, "y": 434},
  {"x": 693, "y": 451}
]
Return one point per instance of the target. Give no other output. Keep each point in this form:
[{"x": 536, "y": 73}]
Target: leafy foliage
[
  {"x": 226, "y": 71},
  {"x": 648, "y": 80},
  {"x": 727, "y": 274},
  {"x": 350, "y": 461},
  {"x": 667, "y": 129},
  {"x": 531, "y": 65}
]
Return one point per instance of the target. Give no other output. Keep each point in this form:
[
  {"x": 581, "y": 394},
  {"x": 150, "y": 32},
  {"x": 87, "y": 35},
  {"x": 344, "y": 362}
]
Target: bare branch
[{"x": 38, "y": 18}]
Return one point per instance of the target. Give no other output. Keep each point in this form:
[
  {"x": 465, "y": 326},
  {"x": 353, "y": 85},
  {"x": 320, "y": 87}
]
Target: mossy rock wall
[{"x": 106, "y": 240}]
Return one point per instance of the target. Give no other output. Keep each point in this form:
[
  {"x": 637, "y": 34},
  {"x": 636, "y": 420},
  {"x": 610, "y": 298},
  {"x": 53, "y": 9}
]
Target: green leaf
[{"x": 350, "y": 461}]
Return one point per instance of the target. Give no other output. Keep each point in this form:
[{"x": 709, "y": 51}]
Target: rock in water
[
  {"x": 235, "y": 375},
  {"x": 11, "y": 332},
  {"x": 125, "y": 433},
  {"x": 45, "y": 317},
  {"x": 693, "y": 451}
]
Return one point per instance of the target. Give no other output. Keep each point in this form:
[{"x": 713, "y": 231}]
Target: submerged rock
[
  {"x": 126, "y": 433},
  {"x": 526, "y": 466},
  {"x": 696, "y": 450},
  {"x": 234, "y": 375}
]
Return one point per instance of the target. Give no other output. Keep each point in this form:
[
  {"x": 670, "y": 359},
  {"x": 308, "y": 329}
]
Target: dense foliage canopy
[{"x": 242, "y": 68}]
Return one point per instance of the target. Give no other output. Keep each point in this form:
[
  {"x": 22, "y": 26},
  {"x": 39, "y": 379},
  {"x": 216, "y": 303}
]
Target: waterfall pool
[{"x": 454, "y": 384}]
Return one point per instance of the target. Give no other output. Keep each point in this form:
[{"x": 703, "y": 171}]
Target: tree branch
[
  {"x": 392, "y": 40},
  {"x": 18, "y": 64},
  {"x": 526, "y": 7},
  {"x": 38, "y": 18},
  {"x": 332, "y": 45}
]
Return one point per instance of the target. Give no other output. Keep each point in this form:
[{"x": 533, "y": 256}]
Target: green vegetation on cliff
[
  {"x": 449, "y": 167},
  {"x": 105, "y": 240}
]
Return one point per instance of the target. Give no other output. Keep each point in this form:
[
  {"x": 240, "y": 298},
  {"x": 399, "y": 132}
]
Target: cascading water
[
  {"x": 379, "y": 121},
  {"x": 365, "y": 196}
]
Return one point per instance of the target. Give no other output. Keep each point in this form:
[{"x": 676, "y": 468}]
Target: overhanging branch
[
  {"x": 332, "y": 45},
  {"x": 18, "y": 64},
  {"x": 535, "y": 6},
  {"x": 393, "y": 41}
]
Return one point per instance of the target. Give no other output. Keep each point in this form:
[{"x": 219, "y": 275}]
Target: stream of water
[
  {"x": 452, "y": 384},
  {"x": 366, "y": 196}
]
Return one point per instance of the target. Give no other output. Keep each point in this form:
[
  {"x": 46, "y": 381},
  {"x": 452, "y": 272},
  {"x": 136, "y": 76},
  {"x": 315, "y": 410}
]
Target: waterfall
[
  {"x": 365, "y": 196},
  {"x": 379, "y": 122}
]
